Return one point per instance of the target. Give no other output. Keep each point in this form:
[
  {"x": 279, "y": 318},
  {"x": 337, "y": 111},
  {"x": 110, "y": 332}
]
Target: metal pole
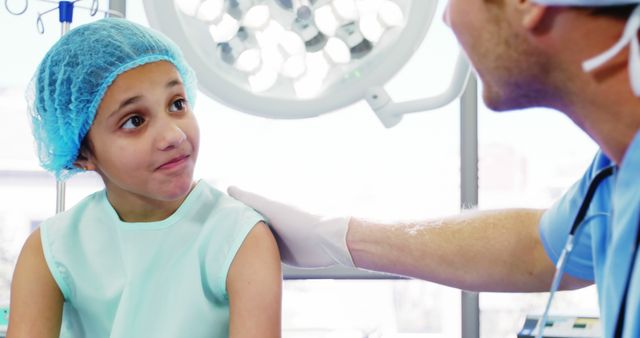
[
  {"x": 60, "y": 196},
  {"x": 65, "y": 28},
  {"x": 61, "y": 185},
  {"x": 119, "y": 5},
  {"x": 469, "y": 190}
]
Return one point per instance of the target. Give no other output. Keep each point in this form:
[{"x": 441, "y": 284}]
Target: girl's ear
[{"x": 84, "y": 160}]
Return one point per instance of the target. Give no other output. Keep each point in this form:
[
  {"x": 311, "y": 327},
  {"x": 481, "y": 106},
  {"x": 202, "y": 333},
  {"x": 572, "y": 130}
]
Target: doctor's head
[{"x": 530, "y": 52}]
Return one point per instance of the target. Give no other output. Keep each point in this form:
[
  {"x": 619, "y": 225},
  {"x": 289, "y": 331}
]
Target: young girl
[{"x": 154, "y": 254}]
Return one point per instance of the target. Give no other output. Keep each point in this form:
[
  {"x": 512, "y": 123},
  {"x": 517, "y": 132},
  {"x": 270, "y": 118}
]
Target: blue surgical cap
[{"x": 74, "y": 75}]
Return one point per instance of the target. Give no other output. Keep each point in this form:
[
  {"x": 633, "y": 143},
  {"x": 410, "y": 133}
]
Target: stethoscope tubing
[{"x": 568, "y": 247}]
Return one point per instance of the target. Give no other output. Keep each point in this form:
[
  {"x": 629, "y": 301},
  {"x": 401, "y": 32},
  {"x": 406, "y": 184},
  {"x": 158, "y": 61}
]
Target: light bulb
[
  {"x": 292, "y": 43},
  {"x": 188, "y": 7},
  {"x": 326, "y": 20},
  {"x": 310, "y": 84},
  {"x": 249, "y": 61},
  {"x": 390, "y": 14},
  {"x": 272, "y": 58},
  {"x": 257, "y": 17},
  {"x": 211, "y": 11},
  {"x": 337, "y": 51},
  {"x": 270, "y": 35},
  {"x": 225, "y": 30},
  {"x": 371, "y": 28},
  {"x": 294, "y": 67},
  {"x": 346, "y": 10},
  {"x": 307, "y": 87},
  {"x": 369, "y": 6},
  {"x": 317, "y": 66},
  {"x": 263, "y": 80}
]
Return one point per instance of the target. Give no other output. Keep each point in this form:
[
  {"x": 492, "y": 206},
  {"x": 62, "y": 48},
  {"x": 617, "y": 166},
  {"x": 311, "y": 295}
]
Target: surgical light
[
  {"x": 390, "y": 14},
  {"x": 210, "y": 11},
  {"x": 303, "y": 25},
  {"x": 257, "y": 17},
  {"x": 225, "y": 29},
  {"x": 358, "y": 45},
  {"x": 337, "y": 51},
  {"x": 326, "y": 20},
  {"x": 302, "y": 58},
  {"x": 347, "y": 10},
  {"x": 189, "y": 7}
]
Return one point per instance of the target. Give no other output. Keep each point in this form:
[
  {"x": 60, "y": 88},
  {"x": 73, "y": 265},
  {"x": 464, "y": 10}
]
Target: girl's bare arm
[
  {"x": 254, "y": 285},
  {"x": 36, "y": 300}
]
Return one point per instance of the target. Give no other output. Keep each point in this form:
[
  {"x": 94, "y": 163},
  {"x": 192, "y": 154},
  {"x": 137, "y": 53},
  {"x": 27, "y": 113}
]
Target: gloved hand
[{"x": 305, "y": 240}]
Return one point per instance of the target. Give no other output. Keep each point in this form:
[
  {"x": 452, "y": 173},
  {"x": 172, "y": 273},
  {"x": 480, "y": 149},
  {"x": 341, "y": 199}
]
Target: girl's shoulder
[
  {"x": 218, "y": 203},
  {"x": 91, "y": 206}
]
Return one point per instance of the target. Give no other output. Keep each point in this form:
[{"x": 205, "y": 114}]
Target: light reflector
[{"x": 293, "y": 58}]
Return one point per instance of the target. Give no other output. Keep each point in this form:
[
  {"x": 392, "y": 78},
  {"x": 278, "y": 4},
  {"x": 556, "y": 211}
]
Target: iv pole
[{"x": 65, "y": 11}]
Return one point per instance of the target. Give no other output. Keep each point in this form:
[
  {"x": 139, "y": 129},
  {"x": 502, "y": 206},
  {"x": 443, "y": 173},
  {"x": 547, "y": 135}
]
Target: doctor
[{"x": 581, "y": 57}]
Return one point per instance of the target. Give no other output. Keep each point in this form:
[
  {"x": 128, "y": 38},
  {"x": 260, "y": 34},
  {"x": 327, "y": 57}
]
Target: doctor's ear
[{"x": 532, "y": 14}]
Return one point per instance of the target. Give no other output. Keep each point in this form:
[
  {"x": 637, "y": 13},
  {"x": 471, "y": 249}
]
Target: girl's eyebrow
[
  {"x": 126, "y": 102},
  {"x": 134, "y": 99},
  {"x": 173, "y": 83}
]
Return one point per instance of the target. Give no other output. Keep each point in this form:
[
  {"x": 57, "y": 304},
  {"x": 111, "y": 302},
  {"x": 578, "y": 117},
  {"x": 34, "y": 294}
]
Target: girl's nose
[{"x": 171, "y": 136}]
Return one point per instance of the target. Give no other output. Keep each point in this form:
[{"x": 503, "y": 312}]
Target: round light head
[{"x": 293, "y": 59}]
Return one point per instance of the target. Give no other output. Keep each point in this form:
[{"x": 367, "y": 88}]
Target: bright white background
[{"x": 344, "y": 162}]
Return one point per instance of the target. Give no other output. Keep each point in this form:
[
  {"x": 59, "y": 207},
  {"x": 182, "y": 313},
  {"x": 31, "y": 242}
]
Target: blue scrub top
[{"x": 605, "y": 241}]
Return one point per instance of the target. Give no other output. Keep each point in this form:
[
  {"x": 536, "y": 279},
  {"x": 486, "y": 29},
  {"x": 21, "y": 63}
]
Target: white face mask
[{"x": 630, "y": 36}]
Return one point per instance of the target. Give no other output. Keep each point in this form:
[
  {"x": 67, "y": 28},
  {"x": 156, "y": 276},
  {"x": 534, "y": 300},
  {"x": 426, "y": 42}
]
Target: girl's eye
[
  {"x": 178, "y": 105},
  {"x": 133, "y": 122}
]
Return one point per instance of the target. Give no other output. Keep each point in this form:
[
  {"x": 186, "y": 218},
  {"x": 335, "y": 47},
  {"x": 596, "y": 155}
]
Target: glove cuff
[{"x": 334, "y": 240}]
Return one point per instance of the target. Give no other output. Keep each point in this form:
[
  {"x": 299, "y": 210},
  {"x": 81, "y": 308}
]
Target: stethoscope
[{"x": 568, "y": 247}]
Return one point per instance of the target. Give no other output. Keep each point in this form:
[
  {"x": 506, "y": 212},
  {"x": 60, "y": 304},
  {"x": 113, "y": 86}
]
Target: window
[{"x": 529, "y": 159}]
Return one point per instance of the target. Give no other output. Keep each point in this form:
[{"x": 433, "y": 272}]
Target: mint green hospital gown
[{"x": 155, "y": 279}]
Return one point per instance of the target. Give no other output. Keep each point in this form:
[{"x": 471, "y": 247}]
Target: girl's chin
[{"x": 178, "y": 190}]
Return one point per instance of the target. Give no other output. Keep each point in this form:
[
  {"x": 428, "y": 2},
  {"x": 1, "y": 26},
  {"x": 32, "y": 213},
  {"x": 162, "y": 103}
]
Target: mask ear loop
[
  {"x": 629, "y": 37},
  {"x": 634, "y": 64}
]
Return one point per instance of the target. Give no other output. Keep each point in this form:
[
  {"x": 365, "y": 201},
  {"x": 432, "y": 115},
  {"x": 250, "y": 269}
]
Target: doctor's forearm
[{"x": 479, "y": 251}]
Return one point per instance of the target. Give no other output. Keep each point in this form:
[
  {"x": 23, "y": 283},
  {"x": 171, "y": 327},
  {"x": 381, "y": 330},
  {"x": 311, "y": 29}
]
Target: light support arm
[{"x": 390, "y": 113}]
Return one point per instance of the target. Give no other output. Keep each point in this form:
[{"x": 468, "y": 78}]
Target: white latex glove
[{"x": 305, "y": 240}]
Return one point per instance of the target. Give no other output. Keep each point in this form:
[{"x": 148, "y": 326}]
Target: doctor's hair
[{"x": 622, "y": 12}]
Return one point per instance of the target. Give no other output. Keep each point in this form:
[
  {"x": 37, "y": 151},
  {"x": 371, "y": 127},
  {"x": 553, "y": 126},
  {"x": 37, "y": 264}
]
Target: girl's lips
[{"x": 173, "y": 163}]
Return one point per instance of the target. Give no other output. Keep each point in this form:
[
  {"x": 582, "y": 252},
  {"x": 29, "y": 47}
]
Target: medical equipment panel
[{"x": 563, "y": 327}]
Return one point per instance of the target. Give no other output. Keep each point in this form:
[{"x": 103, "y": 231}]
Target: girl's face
[{"x": 144, "y": 140}]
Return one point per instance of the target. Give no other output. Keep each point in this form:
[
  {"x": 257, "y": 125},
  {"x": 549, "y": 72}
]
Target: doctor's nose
[{"x": 446, "y": 16}]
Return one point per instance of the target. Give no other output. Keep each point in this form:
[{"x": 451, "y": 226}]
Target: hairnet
[{"x": 74, "y": 75}]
